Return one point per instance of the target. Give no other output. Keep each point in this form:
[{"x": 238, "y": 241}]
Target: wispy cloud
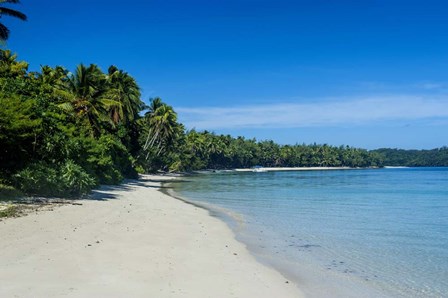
[
  {"x": 379, "y": 86},
  {"x": 431, "y": 86},
  {"x": 323, "y": 112}
]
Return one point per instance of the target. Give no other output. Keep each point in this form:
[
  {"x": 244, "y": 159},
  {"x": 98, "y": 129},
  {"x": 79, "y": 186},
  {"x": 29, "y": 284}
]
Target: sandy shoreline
[{"x": 130, "y": 241}]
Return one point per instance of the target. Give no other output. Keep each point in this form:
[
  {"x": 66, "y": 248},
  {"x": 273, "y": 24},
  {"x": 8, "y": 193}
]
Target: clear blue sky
[{"x": 362, "y": 72}]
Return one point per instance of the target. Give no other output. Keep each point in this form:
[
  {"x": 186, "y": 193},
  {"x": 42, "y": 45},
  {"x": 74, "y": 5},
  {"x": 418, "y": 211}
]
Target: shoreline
[
  {"x": 278, "y": 169},
  {"x": 281, "y": 169},
  {"x": 131, "y": 240},
  {"x": 312, "y": 279}
]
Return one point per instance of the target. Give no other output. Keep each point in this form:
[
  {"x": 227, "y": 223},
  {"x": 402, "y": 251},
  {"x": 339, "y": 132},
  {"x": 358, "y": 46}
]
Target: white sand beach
[{"x": 132, "y": 241}]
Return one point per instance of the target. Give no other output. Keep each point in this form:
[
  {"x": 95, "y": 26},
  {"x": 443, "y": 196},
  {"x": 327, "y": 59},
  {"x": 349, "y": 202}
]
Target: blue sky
[{"x": 365, "y": 73}]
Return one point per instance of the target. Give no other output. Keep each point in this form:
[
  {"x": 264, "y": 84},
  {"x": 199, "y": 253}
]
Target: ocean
[{"x": 338, "y": 233}]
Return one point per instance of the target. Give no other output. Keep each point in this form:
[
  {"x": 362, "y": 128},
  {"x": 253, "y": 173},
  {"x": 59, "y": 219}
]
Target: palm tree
[
  {"x": 4, "y": 31},
  {"x": 55, "y": 77},
  {"x": 153, "y": 106},
  {"x": 9, "y": 66},
  {"x": 88, "y": 89},
  {"x": 196, "y": 143},
  {"x": 125, "y": 91},
  {"x": 163, "y": 127}
]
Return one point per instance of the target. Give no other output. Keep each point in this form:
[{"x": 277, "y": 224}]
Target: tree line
[
  {"x": 63, "y": 133},
  {"x": 206, "y": 150},
  {"x": 414, "y": 158}
]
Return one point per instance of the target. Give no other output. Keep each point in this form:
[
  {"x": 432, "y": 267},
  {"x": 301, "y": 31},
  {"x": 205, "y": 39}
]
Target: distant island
[{"x": 63, "y": 133}]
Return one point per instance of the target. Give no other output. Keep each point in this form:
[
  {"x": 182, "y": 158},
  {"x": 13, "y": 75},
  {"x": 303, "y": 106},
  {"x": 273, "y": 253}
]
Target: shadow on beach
[
  {"x": 22, "y": 205},
  {"x": 108, "y": 192}
]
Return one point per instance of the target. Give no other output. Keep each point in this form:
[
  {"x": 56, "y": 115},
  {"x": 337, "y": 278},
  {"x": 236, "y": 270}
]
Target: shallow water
[{"x": 343, "y": 233}]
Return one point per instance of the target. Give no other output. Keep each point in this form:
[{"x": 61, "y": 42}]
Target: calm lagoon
[{"x": 373, "y": 232}]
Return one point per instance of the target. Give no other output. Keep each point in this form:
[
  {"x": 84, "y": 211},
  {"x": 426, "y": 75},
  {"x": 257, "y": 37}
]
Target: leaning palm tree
[
  {"x": 163, "y": 127},
  {"x": 4, "y": 11}
]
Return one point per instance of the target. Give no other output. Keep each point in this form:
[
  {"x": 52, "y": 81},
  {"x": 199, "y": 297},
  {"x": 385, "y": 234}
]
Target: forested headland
[
  {"x": 414, "y": 158},
  {"x": 64, "y": 132}
]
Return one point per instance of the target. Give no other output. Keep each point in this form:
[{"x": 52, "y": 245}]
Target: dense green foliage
[
  {"x": 414, "y": 158},
  {"x": 201, "y": 150},
  {"x": 62, "y": 133},
  {"x": 62, "y": 180}
]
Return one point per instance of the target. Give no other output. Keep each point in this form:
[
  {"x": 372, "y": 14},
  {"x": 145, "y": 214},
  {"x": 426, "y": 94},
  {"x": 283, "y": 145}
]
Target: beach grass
[{"x": 9, "y": 211}]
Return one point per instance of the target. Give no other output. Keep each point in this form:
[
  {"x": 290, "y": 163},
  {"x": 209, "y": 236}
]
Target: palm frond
[
  {"x": 12, "y": 13},
  {"x": 63, "y": 95},
  {"x": 4, "y": 32},
  {"x": 10, "y": 1},
  {"x": 109, "y": 102},
  {"x": 66, "y": 107}
]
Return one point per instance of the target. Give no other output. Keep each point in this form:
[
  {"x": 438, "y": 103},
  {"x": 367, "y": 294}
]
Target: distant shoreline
[{"x": 278, "y": 169}]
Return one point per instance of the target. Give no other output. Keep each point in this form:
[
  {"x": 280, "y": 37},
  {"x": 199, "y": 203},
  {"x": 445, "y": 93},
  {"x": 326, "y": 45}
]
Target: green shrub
[
  {"x": 18, "y": 130},
  {"x": 140, "y": 169},
  {"x": 9, "y": 211},
  {"x": 67, "y": 179},
  {"x": 109, "y": 160},
  {"x": 74, "y": 179},
  {"x": 38, "y": 179}
]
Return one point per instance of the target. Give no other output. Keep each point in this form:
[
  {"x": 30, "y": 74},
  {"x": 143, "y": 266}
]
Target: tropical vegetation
[
  {"x": 414, "y": 158},
  {"x": 62, "y": 133}
]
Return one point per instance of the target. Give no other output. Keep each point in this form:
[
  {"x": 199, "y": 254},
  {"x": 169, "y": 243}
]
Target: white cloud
[
  {"x": 323, "y": 112},
  {"x": 431, "y": 86}
]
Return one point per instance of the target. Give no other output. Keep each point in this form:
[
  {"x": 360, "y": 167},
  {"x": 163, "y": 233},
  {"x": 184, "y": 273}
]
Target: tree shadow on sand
[
  {"x": 108, "y": 192},
  {"x": 101, "y": 193}
]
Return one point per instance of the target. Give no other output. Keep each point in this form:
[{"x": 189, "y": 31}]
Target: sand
[{"x": 130, "y": 241}]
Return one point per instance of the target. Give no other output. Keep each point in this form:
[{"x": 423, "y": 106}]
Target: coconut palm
[
  {"x": 163, "y": 127},
  {"x": 196, "y": 143},
  {"x": 55, "y": 77},
  {"x": 125, "y": 91},
  {"x": 153, "y": 106},
  {"x": 4, "y": 11},
  {"x": 10, "y": 67},
  {"x": 89, "y": 101}
]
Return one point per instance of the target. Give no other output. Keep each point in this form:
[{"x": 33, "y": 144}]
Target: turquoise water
[{"x": 348, "y": 233}]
